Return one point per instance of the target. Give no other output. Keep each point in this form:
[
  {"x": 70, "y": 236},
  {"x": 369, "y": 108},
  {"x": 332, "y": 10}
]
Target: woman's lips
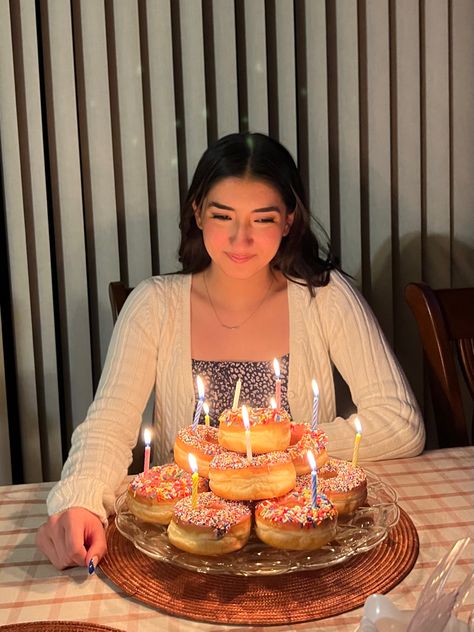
[{"x": 239, "y": 258}]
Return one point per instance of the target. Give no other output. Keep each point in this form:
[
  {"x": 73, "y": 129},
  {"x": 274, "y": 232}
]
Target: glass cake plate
[{"x": 359, "y": 533}]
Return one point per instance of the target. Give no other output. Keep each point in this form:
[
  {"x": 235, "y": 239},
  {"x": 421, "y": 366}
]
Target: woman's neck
[{"x": 238, "y": 294}]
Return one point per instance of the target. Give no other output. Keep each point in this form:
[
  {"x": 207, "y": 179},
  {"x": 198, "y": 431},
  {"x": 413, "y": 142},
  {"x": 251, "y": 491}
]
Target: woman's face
[{"x": 243, "y": 221}]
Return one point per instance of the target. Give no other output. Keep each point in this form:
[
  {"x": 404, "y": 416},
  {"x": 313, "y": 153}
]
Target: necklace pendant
[{"x": 231, "y": 326}]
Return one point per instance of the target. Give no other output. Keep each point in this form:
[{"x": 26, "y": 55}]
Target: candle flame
[
  {"x": 273, "y": 403},
  {"x": 192, "y": 462},
  {"x": 200, "y": 387},
  {"x": 205, "y": 407},
  {"x": 312, "y": 462},
  {"x": 147, "y": 436},
  {"x": 358, "y": 425},
  {"x": 276, "y": 368},
  {"x": 315, "y": 388},
  {"x": 245, "y": 417}
]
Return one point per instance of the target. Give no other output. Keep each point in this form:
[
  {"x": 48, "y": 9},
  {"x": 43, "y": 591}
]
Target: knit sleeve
[
  {"x": 101, "y": 446},
  {"x": 392, "y": 426}
]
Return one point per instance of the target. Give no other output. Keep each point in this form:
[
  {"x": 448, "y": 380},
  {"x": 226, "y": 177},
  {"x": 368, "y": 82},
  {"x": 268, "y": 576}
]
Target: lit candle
[
  {"x": 358, "y": 437},
  {"x": 314, "y": 420},
  {"x": 193, "y": 465},
  {"x": 248, "y": 443},
  {"x": 314, "y": 480},
  {"x": 197, "y": 414},
  {"x": 238, "y": 386},
  {"x": 276, "y": 368},
  {"x": 207, "y": 421},
  {"x": 147, "y": 439}
]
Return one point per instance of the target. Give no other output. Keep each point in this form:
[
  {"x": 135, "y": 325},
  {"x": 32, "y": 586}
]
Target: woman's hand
[{"x": 72, "y": 538}]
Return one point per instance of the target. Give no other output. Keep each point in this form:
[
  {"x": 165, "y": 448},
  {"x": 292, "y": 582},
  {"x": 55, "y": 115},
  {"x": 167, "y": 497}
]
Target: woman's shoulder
[
  {"x": 338, "y": 287},
  {"x": 157, "y": 294},
  {"x": 164, "y": 283}
]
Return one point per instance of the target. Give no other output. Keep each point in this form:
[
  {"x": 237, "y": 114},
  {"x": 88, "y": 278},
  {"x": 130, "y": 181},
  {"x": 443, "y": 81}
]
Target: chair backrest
[
  {"x": 445, "y": 320},
  {"x": 118, "y": 293}
]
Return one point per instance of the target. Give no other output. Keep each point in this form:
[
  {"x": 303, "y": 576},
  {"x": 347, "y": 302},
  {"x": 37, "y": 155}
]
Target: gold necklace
[{"x": 248, "y": 317}]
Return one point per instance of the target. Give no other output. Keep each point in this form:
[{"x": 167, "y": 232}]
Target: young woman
[{"x": 254, "y": 286}]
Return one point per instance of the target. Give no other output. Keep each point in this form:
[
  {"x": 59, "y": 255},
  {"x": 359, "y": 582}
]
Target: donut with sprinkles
[
  {"x": 234, "y": 477},
  {"x": 343, "y": 483},
  {"x": 214, "y": 527},
  {"x": 291, "y": 522},
  {"x": 304, "y": 439},
  {"x": 200, "y": 441},
  {"x": 269, "y": 430},
  {"x": 151, "y": 495}
]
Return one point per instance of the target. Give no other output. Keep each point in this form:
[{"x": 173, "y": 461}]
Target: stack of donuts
[{"x": 268, "y": 487}]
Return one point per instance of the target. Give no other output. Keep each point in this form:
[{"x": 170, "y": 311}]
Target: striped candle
[
  {"x": 200, "y": 403},
  {"x": 314, "y": 418},
  {"x": 314, "y": 479}
]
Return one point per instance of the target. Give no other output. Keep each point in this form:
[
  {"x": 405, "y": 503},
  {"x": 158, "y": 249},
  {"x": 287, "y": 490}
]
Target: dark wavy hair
[{"x": 260, "y": 157}]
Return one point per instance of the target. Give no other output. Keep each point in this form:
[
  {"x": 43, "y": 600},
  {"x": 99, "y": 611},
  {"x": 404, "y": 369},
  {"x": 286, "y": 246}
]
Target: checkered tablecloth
[{"x": 436, "y": 489}]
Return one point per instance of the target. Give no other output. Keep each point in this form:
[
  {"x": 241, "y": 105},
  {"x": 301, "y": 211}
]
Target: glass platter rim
[{"x": 364, "y": 530}]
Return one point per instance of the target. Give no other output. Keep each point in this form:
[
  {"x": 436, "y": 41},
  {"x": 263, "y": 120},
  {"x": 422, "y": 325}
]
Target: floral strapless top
[{"x": 258, "y": 383}]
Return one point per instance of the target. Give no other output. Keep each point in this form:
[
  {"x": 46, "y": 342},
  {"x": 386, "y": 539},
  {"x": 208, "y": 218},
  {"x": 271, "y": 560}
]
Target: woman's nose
[{"x": 242, "y": 233}]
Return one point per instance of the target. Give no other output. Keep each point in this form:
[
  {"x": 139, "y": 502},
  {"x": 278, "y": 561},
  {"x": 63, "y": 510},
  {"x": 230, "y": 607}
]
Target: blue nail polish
[{"x": 91, "y": 567}]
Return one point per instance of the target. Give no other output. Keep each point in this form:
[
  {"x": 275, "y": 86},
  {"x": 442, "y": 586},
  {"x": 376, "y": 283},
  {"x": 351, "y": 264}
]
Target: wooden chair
[
  {"x": 118, "y": 293},
  {"x": 445, "y": 320}
]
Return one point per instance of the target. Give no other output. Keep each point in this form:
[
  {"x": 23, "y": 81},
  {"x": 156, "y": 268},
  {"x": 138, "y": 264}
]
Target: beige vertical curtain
[{"x": 105, "y": 109}]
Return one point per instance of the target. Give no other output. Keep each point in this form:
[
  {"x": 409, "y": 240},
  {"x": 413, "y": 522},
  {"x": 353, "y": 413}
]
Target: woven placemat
[
  {"x": 270, "y": 600},
  {"x": 56, "y": 626}
]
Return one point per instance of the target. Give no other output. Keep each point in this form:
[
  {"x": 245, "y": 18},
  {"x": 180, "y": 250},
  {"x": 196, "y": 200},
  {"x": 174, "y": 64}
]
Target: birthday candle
[
  {"x": 248, "y": 443},
  {"x": 147, "y": 439},
  {"x": 273, "y": 403},
  {"x": 207, "y": 421},
  {"x": 314, "y": 420},
  {"x": 276, "y": 367},
  {"x": 200, "y": 402},
  {"x": 358, "y": 437},
  {"x": 314, "y": 480},
  {"x": 195, "y": 477},
  {"x": 238, "y": 386}
]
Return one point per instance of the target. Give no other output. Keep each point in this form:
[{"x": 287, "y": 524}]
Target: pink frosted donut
[
  {"x": 202, "y": 442},
  {"x": 290, "y": 522},
  {"x": 344, "y": 484},
  {"x": 269, "y": 430},
  {"x": 304, "y": 439},
  {"x": 232, "y": 476},
  {"x": 215, "y": 526},
  {"x": 151, "y": 495}
]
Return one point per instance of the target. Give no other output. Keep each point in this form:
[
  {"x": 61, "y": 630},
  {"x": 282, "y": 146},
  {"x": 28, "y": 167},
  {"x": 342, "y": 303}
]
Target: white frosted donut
[
  {"x": 304, "y": 439},
  {"x": 202, "y": 442},
  {"x": 151, "y": 495},
  {"x": 290, "y": 522},
  {"x": 233, "y": 477},
  {"x": 215, "y": 526},
  {"x": 269, "y": 430},
  {"x": 344, "y": 484}
]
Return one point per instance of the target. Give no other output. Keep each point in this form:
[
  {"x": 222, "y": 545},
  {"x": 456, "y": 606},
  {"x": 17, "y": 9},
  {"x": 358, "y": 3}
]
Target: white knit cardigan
[{"x": 151, "y": 347}]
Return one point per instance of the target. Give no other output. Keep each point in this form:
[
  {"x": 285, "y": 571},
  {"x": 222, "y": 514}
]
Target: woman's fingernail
[{"x": 91, "y": 567}]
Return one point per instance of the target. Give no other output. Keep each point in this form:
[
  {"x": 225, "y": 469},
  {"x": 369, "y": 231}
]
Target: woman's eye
[
  {"x": 220, "y": 216},
  {"x": 266, "y": 220}
]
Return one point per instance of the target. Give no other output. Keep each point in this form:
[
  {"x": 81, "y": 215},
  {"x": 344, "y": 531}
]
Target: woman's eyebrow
[
  {"x": 267, "y": 209},
  {"x": 224, "y": 207}
]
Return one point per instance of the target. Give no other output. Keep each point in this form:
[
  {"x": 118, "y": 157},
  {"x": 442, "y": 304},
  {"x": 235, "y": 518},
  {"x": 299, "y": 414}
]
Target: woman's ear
[
  {"x": 288, "y": 223},
  {"x": 197, "y": 215}
]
